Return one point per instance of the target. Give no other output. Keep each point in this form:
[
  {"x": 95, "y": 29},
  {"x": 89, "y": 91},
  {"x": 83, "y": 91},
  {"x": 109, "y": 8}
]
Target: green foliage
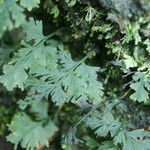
[
  {"x": 73, "y": 82},
  {"x": 15, "y": 74},
  {"x": 5, "y": 55},
  {"x": 132, "y": 33},
  {"x": 106, "y": 145},
  {"x": 10, "y": 7},
  {"x": 71, "y": 3},
  {"x": 141, "y": 87},
  {"x": 11, "y": 14},
  {"x": 51, "y": 8},
  {"x": 30, "y": 134},
  {"x": 12, "y": 78},
  {"x": 33, "y": 27},
  {"x": 91, "y": 55},
  {"x": 69, "y": 81},
  {"x": 136, "y": 139},
  {"x": 104, "y": 124},
  {"x": 29, "y": 4}
]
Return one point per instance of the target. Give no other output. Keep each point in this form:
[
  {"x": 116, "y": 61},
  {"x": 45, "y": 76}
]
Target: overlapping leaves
[
  {"x": 129, "y": 140},
  {"x": 136, "y": 139},
  {"x": 15, "y": 72},
  {"x": 70, "y": 81},
  {"x": 103, "y": 124},
  {"x": 61, "y": 77},
  {"x": 11, "y": 13}
]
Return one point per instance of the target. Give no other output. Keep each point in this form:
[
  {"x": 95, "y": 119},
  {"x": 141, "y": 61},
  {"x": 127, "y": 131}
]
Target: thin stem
[
  {"x": 83, "y": 118},
  {"x": 52, "y": 34}
]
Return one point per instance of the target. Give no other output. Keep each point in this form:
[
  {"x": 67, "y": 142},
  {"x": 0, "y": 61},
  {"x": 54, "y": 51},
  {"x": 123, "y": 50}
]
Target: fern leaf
[
  {"x": 141, "y": 87},
  {"x": 33, "y": 30},
  {"x": 13, "y": 76},
  {"x": 10, "y": 7},
  {"x": 103, "y": 124},
  {"x": 70, "y": 81},
  {"x": 131, "y": 140},
  {"x": 108, "y": 145},
  {"x": 30, "y": 134}
]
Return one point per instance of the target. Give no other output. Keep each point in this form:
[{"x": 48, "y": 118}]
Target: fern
[
  {"x": 30, "y": 134},
  {"x": 106, "y": 145},
  {"x": 137, "y": 139},
  {"x": 33, "y": 30},
  {"x": 104, "y": 124},
  {"x": 141, "y": 87},
  {"x": 68, "y": 81},
  {"x": 15, "y": 10},
  {"x": 72, "y": 82},
  {"x": 12, "y": 8},
  {"x": 15, "y": 73}
]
